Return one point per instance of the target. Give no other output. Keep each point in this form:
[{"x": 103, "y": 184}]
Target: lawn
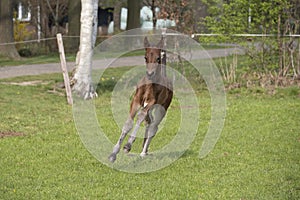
[
  {"x": 42, "y": 59},
  {"x": 256, "y": 157}
]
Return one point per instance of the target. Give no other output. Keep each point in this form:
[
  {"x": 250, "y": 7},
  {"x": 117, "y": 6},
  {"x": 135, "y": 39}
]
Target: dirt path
[{"x": 36, "y": 69}]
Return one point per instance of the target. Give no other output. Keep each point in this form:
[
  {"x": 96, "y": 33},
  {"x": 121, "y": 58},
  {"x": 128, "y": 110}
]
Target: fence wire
[{"x": 170, "y": 34}]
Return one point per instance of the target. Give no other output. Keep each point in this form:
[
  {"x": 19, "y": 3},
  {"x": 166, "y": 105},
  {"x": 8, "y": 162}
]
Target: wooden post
[{"x": 64, "y": 69}]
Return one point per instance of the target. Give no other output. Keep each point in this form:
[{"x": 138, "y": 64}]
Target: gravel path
[{"x": 36, "y": 69}]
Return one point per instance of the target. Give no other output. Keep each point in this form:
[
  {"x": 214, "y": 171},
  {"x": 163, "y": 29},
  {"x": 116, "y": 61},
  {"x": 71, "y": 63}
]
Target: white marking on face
[{"x": 145, "y": 104}]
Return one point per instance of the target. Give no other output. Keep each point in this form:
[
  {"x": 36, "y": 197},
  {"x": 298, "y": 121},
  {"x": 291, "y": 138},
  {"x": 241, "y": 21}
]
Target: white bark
[{"x": 88, "y": 32}]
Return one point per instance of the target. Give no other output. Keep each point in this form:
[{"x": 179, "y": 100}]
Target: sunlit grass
[
  {"x": 42, "y": 59},
  {"x": 257, "y": 156}
]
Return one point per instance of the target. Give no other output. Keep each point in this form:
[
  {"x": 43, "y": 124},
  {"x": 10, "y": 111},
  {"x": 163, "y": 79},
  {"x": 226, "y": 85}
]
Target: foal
[{"x": 151, "y": 100}]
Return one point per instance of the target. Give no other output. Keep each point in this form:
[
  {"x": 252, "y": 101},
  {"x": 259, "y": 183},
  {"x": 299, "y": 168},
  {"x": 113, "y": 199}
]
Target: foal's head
[{"x": 153, "y": 58}]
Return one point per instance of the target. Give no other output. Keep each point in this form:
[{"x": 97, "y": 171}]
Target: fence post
[{"x": 63, "y": 65}]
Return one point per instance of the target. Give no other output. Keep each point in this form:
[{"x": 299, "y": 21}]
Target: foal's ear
[
  {"x": 160, "y": 44},
  {"x": 146, "y": 42}
]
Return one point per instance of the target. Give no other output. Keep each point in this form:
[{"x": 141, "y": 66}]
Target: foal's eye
[
  {"x": 158, "y": 59},
  {"x": 146, "y": 58}
]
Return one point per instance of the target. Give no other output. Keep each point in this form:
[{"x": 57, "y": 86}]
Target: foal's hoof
[
  {"x": 127, "y": 148},
  {"x": 112, "y": 158},
  {"x": 143, "y": 155}
]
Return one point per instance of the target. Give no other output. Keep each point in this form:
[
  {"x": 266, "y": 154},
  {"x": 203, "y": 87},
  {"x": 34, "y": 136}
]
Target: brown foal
[{"x": 151, "y": 100}]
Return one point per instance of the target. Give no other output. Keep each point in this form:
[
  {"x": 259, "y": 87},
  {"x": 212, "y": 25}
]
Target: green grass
[
  {"x": 257, "y": 156},
  {"x": 42, "y": 59},
  {"x": 50, "y": 58}
]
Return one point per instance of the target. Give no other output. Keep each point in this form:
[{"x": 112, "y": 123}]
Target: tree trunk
[
  {"x": 154, "y": 19},
  {"x": 117, "y": 16},
  {"x": 82, "y": 79},
  {"x": 74, "y": 9},
  {"x": 280, "y": 46},
  {"x": 200, "y": 12},
  {"x": 45, "y": 30},
  {"x": 133, "y": 19},
  {"x": 7, "y": 30}
]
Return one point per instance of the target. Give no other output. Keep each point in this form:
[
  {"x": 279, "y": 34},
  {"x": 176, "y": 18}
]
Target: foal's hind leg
[
  {"x": 147, "y": 123},
  {"x": 146, "y": 136},
  {"x": 140, "y": 118},
  {"x": 156, "y": 115}
]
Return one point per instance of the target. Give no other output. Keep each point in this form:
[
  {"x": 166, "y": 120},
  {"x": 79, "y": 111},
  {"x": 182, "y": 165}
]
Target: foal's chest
[{"x": 151, "y": 93}]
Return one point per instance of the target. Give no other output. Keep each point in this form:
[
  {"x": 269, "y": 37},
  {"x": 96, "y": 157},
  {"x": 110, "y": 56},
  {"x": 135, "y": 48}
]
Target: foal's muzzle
[
  {"x": 150, "y": 75},
  {"x": 151, "y": 70}
]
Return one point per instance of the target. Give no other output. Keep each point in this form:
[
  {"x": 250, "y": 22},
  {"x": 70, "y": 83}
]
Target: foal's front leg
[
  {"x": 140, "y": 118},
  {"x": 134, "y": 107},
  {"x": 126, "y": 128}
]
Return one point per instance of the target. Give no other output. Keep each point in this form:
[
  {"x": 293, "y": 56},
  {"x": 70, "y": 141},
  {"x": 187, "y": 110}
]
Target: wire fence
[
  {"x": 243, "y": 35},
  {"x": 194, "y": 35}
]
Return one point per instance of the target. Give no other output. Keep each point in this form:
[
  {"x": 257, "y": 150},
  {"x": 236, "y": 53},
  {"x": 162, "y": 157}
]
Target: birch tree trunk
[{"x": 82, "y": 79}]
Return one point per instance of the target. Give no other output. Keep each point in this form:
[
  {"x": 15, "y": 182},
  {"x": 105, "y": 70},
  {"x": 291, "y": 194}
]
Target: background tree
[
  {"x": 74, "y": 9},
  {"x": 199, "y": 13},
  {"x": 152, "y": 4},
  {"x": 117, "y": 16},
  {"x": 181, "y": 11},
  {"x": 58, "y": 16},
  {"x": 133, "y": 18},
  {"x": 6, "y": 27},
  {"x": 49, "y": 17}
]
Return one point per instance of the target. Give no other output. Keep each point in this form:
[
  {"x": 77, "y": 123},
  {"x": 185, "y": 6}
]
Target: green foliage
[
  {"x": 21, "y": 33},
  {"x": 42, "y": 59},
  {"x": 245, "y": 16},
  {"x": 105, "y": 85},
  {"x": 272, "y": 19}
]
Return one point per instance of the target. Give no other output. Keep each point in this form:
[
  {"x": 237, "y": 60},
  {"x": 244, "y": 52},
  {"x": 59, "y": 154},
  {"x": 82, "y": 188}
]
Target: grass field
[
  {"x": 256, "y": 157},
  {"x": 50, "y": 58}
]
